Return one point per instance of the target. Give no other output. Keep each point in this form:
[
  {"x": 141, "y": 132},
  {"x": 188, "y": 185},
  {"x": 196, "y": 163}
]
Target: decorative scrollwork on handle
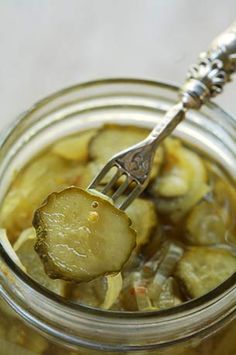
[
  {"x": 207, "y": 78},
  {"x": 204, "y": 80},
  {"x": 211, "y": 73}
]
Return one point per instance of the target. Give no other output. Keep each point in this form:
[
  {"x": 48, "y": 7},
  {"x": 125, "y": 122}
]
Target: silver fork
[{"x": 204, "y": 80}]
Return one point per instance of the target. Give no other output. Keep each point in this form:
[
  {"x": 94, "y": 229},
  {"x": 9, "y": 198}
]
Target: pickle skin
[{"x": 105, "y": 263}]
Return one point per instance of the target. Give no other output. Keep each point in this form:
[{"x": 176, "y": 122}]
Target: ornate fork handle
[
  {"x": 204, "y": 81},
  {"x": 207, "y": 78}
]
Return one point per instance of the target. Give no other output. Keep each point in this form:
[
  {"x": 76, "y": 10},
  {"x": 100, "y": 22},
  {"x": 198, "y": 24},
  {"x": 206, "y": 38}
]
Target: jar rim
[{"x": 190, "y": 306}]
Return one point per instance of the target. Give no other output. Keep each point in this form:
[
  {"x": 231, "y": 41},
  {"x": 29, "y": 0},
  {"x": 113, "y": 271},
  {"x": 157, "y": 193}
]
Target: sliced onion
[
  {"x": 169, "y": 296},
  {"x": 114, "y": 286},
  {"x": 168, "y": 260},
  {"x": 142, "y": 298},
  {"x": 172, "y": 255}
]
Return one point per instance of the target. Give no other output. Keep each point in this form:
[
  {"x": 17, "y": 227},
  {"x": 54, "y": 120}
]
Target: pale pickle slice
[
  {"x": 177, "y": 207},
  {"x": 81, "y": 236},
  {"x": 74, "y": 147},
  {"x": 24, "y": 248},
  {"x": 33, "y": 184},
  {"x": 201, "y": 269},
  {"x": 174, "y": 180},
  {"x": 205, "y": 225},
  {"x": 111, "y": 139},
  {"x": 144, "y": 219}
]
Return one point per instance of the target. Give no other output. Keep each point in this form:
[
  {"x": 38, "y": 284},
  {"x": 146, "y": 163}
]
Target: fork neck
[{"x": 166, "y": 125}]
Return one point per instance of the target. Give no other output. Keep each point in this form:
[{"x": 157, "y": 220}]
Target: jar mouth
[{"x": 187, "y": 308}]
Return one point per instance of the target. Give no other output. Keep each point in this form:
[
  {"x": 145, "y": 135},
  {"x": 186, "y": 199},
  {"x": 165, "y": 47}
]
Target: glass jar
[{"x": 202, "y": 326}]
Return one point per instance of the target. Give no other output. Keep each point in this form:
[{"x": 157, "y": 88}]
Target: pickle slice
[
  {"x": 74, "y": 147},
  {"x": 174, "y": 180},
  {"x": 24, "y": 248},
  {"x": 205, "y": 225},
  {"x": 111, "y": 139},
  {"x": 144, "y": 219},
  {"x": 81, "y": 235},
  {"x": 201, "y": 269},
  {"x": 196, "y": 181},
  {"x": 34, "y": 183}
]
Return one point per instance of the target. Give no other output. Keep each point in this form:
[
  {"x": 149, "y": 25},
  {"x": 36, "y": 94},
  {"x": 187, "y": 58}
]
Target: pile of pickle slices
[{"x": 174, "y": 243}]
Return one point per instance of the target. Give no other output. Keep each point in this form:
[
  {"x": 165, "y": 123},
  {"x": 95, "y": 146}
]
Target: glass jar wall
[{"x": 51, "y": 324}]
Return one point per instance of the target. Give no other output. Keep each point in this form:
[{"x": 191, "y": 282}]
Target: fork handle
[
  {"x": 207, "y": 78},
  {"x": 204, "y": 81}
]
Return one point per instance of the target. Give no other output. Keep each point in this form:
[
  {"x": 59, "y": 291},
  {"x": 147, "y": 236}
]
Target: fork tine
[
  {"x": 112, "y": 182},
  {"x": 98, "y": 178},
  {"x": 121, "y": 188},
  {"x": 133, "y": 194}
]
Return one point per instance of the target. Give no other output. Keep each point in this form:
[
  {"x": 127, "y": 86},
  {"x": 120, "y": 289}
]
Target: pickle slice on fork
[{"x": 81, "y": 236}]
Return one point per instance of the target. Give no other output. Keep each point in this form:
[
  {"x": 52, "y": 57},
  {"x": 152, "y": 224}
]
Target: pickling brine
[{"x": 176, "y": 242}]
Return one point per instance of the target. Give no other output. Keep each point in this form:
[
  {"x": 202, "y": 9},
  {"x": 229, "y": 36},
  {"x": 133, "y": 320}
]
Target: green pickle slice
[
  {"x": 201, "y": 269},
  {"x": 81, "y": 235}
]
